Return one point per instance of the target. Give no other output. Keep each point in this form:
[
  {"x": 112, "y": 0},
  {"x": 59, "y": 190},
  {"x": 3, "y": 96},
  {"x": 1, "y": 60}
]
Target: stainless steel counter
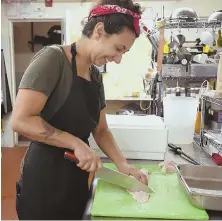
[{"x": 193, "y": 150}]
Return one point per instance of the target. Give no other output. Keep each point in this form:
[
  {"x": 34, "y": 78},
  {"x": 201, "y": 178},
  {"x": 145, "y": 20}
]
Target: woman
[{"x": 59, "y": 103}]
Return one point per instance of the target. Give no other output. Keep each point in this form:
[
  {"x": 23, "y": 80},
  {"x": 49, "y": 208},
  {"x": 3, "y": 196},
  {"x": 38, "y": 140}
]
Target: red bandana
[{"x": 111, "y": 9}]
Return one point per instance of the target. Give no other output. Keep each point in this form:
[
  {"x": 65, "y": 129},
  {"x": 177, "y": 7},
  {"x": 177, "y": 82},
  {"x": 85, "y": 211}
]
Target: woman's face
[{"x": 107, "y": 48}]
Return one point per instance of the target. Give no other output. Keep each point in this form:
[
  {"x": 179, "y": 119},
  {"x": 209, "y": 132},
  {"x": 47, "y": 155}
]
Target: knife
[{"x": 115, "y": 177}]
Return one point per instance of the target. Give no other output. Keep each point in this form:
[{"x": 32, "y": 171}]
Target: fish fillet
[
  {"x": 167, "y": 167},
  {"x": 140, "y": 196}
]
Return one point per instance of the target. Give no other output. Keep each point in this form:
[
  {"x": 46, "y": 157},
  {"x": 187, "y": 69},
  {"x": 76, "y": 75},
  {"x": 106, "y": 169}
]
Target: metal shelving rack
[
  {"x": 216, "y": 101},
  {"x": 184, "y": 24},
  {"x": 204, "y": 100},
  {"x": 190, "y": 78},
  {"x": 199, "y": 23}
]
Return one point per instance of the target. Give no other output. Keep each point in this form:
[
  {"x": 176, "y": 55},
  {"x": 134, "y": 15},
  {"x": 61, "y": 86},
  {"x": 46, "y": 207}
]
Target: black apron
[{"x": 51, "y": 187}]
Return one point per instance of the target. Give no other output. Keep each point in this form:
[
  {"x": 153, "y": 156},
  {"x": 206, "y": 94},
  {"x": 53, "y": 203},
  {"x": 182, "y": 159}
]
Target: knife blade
[
  {"x": 115, "y": 177},
  {"x": 122, "y": 180}
]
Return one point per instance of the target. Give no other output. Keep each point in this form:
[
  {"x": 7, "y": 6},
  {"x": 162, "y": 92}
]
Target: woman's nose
[{"x": 117, "y": 59}]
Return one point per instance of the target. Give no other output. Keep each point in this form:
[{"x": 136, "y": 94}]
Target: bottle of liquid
[
  {"x": 178, "y": 92},
  {"x": 198, "y": 120},
  {"x": 187, "y": 92},
  {"x": 168, "y": 92},
  {"x": 182, "y": 90},
  {"x": 173, "y": 92},
  {"x": 192, "y": 92}
]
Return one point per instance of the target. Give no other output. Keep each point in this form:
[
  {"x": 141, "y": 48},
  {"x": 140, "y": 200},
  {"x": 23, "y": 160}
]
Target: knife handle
[{"x": 71, "y": 157}]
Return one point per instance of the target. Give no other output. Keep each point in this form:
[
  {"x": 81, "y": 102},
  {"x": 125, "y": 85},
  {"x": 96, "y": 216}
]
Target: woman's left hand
[{"x": 133, "y": 171}]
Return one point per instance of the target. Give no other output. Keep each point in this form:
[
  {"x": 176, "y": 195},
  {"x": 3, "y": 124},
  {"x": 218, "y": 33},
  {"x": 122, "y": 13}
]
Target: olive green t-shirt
[{"x": 50, "y": 72}]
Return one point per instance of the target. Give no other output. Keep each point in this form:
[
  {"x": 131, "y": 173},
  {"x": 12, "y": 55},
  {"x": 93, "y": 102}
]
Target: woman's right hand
[{"x": 88, "y": 159}]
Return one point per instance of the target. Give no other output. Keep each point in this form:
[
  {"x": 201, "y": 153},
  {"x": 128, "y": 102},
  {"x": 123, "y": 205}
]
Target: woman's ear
[{"x": 98, "y": 31}]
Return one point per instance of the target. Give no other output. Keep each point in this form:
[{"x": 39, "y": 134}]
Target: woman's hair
[{"x": 113, "y": 23}]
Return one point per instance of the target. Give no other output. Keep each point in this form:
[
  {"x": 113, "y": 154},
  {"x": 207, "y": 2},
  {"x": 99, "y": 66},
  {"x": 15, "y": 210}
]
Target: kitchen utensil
[
  {"x": 179, "y": 39},
  {"x": 202, "y": 185},
  {"x": 170, "y": 60},
  {"x": 178, "y": 150},
  {"x": 115, "y": 177},
  {"x": 184, "y": 51},
  {"x": 215, "y": 16},
  {"x": 184, "y": 13},
  {"x": 200, "y": 58},
  {"x": 172, "y": 46},
  {"x": 183, "y": 55},
  {"x": 168, "y": 202},
  {"x": 151, "y": 35},
  {"x": 187, "y": 55},
  {"x": 122, "y": 180},
  {"x": 207, "y": 38}
]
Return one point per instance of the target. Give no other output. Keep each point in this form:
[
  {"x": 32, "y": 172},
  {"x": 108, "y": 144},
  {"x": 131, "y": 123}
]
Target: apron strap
[{"x": 73, "y": 52}]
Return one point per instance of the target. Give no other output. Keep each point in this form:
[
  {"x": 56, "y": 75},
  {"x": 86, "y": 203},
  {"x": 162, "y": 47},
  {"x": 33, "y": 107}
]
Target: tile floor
[
  {"x": 10, "y": 172},
  {"x": 11, "y": 158}
]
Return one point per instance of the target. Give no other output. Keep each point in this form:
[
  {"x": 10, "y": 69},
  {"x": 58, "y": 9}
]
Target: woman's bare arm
[{"x": 26, "y": 121}]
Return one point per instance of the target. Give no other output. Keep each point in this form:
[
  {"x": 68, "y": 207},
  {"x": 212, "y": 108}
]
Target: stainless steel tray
[
  {"x": 202, "y": 185},
  {"x": 174, "y": 70},
  {"x": 203, "y": 70}
]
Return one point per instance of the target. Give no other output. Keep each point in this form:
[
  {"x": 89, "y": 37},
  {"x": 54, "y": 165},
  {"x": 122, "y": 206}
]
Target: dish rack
[{"x": 210, "y": 140}]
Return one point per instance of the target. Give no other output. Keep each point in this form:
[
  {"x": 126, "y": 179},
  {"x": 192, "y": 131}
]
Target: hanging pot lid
[
  {"x": 215, "y": 16},
  {"x": 184, "y": 13}
]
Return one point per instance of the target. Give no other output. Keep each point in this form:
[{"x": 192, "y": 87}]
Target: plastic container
[
  {"x": 138, "y": 137},
  {"x": 180, "y": 117}
]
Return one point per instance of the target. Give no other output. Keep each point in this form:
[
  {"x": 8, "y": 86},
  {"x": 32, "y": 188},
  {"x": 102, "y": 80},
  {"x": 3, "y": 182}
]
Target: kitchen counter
[{"x": 193, "y": 150}]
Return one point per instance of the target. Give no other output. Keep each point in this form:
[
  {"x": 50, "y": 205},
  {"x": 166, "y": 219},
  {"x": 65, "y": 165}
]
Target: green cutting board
[{"x": 168, "y": 201}]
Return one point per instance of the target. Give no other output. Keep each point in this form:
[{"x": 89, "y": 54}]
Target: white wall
[
  {"x": 136, "y": 62},
  {"x": 7, "y": 139},
  {"x": 5, "y": 42}
]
